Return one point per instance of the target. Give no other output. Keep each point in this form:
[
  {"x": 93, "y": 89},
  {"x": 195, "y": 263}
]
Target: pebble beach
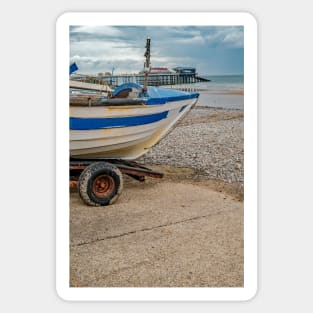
[{"x": 209, "y": 140}]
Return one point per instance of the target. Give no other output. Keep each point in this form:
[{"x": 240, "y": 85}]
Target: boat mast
[{"x": 146, "y": 66}]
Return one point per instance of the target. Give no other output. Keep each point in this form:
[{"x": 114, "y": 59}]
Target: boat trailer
[{"x": 100, "y": 182}]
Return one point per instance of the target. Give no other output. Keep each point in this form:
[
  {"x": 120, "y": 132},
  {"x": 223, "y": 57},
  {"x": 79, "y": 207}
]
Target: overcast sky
[{"x": 212, "y": 50}]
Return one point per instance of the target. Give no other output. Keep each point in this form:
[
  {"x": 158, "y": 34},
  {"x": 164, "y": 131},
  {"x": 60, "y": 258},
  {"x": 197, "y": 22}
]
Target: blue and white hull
[{"x": 127, "y": 131}]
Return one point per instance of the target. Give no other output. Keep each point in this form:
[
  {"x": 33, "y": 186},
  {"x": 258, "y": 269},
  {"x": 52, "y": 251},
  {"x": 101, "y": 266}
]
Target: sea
[
  {"x": 222, "y": 91},
  {"x": 223, "y": 83}
]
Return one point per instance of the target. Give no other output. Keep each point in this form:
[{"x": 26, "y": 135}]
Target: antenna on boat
[{"x": 146, "y": 66}]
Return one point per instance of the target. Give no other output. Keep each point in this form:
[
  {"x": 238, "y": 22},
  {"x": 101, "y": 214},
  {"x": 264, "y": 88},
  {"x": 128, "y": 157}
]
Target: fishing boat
[{"x": 126, "y": 123}]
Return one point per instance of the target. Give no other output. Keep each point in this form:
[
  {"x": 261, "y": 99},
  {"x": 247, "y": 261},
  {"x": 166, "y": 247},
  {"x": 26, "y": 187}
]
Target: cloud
[
  {"x": 99, "y": 48},
  {"x": 235, "y": 39},
  {"x": 227, "y": 37},
  {"x": 192, "y": 40},
  {"x": 107, "y": 31}
]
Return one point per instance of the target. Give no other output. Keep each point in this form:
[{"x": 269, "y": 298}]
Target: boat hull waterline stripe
[{"x": 103, "y": 123}]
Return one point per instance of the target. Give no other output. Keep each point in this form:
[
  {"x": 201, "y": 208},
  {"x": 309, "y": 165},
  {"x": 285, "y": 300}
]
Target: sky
[{"x": 212, "y": 50}]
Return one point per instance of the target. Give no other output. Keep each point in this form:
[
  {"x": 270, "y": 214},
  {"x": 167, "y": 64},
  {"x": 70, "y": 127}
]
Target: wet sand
[{"x": 227, "y": 100}]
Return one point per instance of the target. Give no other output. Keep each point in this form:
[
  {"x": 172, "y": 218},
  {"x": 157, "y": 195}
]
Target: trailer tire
[{"x": 100, "y": 184}]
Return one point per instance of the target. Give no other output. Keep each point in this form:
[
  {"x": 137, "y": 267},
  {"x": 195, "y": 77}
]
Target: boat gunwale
[{"x": 131, "y": 101}]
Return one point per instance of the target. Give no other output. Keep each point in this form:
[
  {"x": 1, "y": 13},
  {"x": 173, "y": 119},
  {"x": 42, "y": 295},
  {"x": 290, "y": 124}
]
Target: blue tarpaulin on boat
[
  {"x": 156, "y": 92},
  {"x": 157, "y": 95},
  {"x": 126, "y": 86}
]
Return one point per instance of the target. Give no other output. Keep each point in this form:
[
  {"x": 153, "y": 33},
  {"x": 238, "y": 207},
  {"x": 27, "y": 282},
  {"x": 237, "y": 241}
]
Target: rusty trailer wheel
[
  {"x": 103, "y": 186},
  {"x": 100, "y": 184}
]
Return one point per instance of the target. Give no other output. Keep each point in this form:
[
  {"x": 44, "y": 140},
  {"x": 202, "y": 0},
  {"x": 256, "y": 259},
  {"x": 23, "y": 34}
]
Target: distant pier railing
[{"x": 153, "y": 79}]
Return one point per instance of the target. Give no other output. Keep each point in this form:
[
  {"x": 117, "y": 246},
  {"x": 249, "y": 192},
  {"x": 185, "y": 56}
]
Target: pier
[
  {"x": 161, "y": 79},
  {"x": 153, "y": 79}
]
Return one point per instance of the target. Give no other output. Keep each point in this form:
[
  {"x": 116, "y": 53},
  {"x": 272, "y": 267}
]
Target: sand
[{"x": 158, "y": 234}]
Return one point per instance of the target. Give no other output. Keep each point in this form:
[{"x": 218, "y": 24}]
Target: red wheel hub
[{"x": 103, "y": 186}]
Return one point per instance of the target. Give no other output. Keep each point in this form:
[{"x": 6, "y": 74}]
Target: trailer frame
[{"x": 131, "y": 168}]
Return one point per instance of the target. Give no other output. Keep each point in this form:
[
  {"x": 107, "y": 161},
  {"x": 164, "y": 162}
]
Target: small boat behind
[{"x": 125, "y": 124}]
